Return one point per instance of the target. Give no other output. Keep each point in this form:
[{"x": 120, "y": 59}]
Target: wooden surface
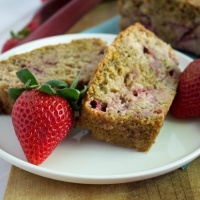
[{"x": 179, "y": 184}]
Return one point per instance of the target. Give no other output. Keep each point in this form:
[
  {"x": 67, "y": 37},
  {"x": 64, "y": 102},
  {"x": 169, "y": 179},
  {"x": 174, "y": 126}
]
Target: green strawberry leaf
[
  {"x": 69, "y": 93},
  {"x": 75, "y": 106},
  {"x": 75, "y": 82},
  {"x": 28, "y": 85},
  {"x": 23, "y": 33},
  {"x": 57, "y": 83},
  {"x": 26, "y": 77},
  {"x": 14, "y": 93},
  {"x": 13, "y": 35},
  {"x": 83, "y": 90},
  {"x": 46, "y": 88}
]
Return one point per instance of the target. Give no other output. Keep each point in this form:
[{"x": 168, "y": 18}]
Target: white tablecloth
[{"x": 14, "y": 15}]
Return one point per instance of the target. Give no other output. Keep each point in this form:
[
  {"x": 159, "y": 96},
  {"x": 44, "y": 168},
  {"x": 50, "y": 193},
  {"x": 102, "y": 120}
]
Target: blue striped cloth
[{"x": 111, "y": 26}]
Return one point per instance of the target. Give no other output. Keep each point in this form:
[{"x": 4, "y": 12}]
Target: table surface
[{"x": 179, "y": 184}]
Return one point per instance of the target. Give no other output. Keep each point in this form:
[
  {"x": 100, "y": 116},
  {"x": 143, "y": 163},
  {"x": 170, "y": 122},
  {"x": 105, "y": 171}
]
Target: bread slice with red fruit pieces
[
  {"x": 131, "y": 92},
  {"x": 174, "y": 21},
  {"x": 61, "y": 62},
  {"x": 187, "y": 100},
  {"x": 43, "y": 115}
]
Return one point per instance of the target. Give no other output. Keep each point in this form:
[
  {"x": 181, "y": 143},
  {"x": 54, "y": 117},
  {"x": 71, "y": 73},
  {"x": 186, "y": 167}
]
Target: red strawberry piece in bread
[
  {"x": 42, "y": 116},
  {"x": 187, "y": 100}
]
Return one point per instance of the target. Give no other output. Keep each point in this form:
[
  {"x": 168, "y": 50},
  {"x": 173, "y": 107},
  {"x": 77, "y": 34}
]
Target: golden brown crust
[
  {"x": 132, "y": 90},
  {"x": 61, "y": 61}
]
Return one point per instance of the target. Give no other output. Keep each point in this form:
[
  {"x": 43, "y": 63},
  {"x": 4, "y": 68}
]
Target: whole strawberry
[
  {"x": 41, "y": 118},
  {"x": 10, "y": 43},
  {"x": 187, "y": 100}
]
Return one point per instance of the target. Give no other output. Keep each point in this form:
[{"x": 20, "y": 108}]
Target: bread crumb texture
[
  {"x": 176, "y": 22},
  {"x": 61, "y": 62},
  {"x": 132, "y": 90}
]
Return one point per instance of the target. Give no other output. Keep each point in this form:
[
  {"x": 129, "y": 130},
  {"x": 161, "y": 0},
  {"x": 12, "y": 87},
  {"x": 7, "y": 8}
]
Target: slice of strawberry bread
[
  {"x": 61, "y": 62},
  {"x": 131, "y": 92},
  {"x": 176, "y": 22}
]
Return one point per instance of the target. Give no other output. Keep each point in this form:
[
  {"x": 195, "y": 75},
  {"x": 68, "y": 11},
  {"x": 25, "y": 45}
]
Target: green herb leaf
[
  {"x": 25, "y": 76},
  {"x": 14, "y": 93},
  {"x": 46, "y": 88},
  {"x": 75, "y": 82},
  {"x": 69, "y": 93},
  {"x": 57, "y": 83}
]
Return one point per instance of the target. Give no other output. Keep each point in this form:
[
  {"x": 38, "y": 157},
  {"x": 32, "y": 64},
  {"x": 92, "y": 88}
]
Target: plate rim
[
  {"x": 51, "y": 41},
  {"x": 101, "y": 179}
]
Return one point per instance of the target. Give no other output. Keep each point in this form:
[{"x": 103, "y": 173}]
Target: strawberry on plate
[
  {"x": 187, "y": 100},
  {"x": 42, "y": 115}
]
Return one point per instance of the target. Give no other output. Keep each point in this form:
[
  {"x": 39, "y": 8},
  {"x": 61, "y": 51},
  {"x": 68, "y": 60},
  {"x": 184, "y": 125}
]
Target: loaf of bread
[
  {"x": 132, "y": 90},
  {"x": 176, "y": 22},
  {"x": 61, "y": 61}
]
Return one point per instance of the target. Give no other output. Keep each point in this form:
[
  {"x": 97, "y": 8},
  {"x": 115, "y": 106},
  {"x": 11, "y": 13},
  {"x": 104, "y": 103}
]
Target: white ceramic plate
[{"x": 82, "y": 159}]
